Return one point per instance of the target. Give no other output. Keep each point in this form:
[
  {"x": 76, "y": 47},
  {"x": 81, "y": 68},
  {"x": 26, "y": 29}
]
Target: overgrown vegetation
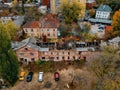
[
  {"x": 51, "y": 66},
  {"x": 116, "y": 23},
  {"x": 106, "y": 69}
]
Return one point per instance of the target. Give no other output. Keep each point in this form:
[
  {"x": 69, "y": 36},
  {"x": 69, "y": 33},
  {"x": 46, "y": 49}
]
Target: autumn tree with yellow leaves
[
  {"x": 116, "y": 23},
  {"x": 12, "y": 29},
  {"x": 71, "y": 10}
]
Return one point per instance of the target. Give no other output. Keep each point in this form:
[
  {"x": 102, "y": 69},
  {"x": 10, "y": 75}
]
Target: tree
[
  {"x": 71, "y": 11},
  {"x": 109, "y": 34},
  {"x": 65, "y": 30},
  {"x": 106, "y": 68},
  {"x": 8, "y": 59},
  {"x": 115, "y": 4},
  {"x": 84, "y": 33},
  {"x": 92, "y": 13},
  {"x": 116, "y": 23},
  {"x": 32, "y": 14},
  {"x": 23, "y": 8},
  {"x": 11, "y": 29}
]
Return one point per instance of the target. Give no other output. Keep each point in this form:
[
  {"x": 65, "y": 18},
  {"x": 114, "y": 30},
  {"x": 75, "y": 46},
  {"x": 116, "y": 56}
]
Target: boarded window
[{"x": 43, "y": 57}]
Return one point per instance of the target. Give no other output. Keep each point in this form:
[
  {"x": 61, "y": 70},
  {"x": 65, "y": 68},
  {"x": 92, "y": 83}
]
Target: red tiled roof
[
  {"x": 32, "y": 24},
  {"x": 48, "y": 21}
]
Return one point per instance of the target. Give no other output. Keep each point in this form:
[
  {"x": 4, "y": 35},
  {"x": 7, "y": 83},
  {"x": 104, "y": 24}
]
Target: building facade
[
  {"x": 103, "y": 12},
  {"x": 47, "y": 26},
  {"x": 60, "y": 55},
  {"x": 32, "y": 28},
  {"x": 17, "y": 20},
  {"x": 27, "y": 54},
  {"x": 29, "y": 51}
]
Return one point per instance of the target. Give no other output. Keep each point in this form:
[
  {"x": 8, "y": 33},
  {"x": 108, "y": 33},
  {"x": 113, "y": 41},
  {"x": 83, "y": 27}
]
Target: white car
[{"x": 40, "y": 77}]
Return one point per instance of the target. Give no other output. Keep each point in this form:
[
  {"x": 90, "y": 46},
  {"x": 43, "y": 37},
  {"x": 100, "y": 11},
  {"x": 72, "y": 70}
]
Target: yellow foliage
[
  {"x": 72, "y": 10},
  {"x": 116, "y": 23},
  {"x": 12, "y": 28}
]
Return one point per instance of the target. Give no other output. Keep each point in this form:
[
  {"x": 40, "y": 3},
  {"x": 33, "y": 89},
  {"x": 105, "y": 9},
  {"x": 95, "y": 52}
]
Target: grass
[{"x": 51, "y": 66}]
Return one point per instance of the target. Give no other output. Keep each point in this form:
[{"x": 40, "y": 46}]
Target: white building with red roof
[{"x": 47, "y": 25}]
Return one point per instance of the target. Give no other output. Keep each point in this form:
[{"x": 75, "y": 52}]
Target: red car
[{"x": 56, "y": 76}]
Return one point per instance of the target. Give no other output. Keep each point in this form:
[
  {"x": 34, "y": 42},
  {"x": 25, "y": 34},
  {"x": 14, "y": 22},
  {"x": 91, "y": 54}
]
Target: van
[{"x": 40, "y": 77}]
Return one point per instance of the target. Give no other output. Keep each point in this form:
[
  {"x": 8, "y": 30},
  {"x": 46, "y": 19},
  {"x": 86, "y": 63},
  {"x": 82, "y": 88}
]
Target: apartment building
[
  {"x": 47, "y": 26},
  {"x": 103, "y": 12}
]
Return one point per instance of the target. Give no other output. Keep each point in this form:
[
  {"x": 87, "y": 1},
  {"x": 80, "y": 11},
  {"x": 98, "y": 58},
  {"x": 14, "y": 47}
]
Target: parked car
[
  {"x": 56, "y": 76},
  {"x": 22, "y": 76},
  {"x": 4, "y": 86},
  {"x": 29, "y": 76},
  {"x": 40, "y": 77}
]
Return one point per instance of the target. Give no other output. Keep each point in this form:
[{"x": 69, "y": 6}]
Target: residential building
[
  {"x": 31, "y": 50},
  {"x": 27, "y": 50},
  {"x": 115, "y": 42},
  {"x": 100, "y": 21},
  {"x": 32, "y": 28},
  {"x": 18, "y": 20},
  {"x": 47, "y": 26},
  {"x": 103, "y": 12},
  {"x": 60, "y": 55}
]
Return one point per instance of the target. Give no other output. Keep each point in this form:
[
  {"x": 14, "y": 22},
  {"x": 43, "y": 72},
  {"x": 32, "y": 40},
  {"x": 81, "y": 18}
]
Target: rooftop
[
  {"x": 30, "y": 42},
  {"x": 100, "y": 20},
  {"x": 49, "y": 21},
  {"x": 107, "y": 28},
  {"x": 104, "y": 8},
  {"x": 32, "y": 24},
  {"x": 116, "y": 39}
]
